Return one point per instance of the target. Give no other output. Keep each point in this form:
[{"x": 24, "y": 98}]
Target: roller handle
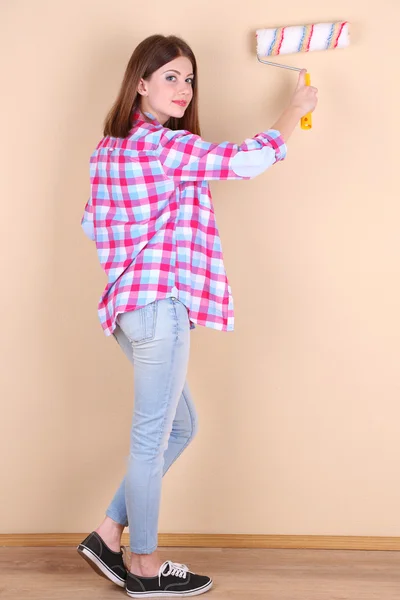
[{"x": 306, "y": 121}]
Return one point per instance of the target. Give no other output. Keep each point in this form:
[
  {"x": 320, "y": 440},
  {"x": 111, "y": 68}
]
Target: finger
[{"x": 302, "y": 79}]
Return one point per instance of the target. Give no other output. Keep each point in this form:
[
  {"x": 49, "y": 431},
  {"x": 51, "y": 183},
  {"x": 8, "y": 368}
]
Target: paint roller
[{"x": 301, "y": 38}]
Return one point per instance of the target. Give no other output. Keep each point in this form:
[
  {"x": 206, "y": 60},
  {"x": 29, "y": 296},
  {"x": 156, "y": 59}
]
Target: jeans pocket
[{"x": 139, "y": 325}]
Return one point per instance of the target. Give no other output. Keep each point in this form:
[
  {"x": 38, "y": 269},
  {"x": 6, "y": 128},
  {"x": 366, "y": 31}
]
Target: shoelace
[
  {"x": 167, "y": 568},
  {"x": 172, "y": 569}
]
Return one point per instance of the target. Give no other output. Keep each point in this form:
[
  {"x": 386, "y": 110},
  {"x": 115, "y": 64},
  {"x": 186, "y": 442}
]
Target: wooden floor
[{"x": 238, "y": 574}]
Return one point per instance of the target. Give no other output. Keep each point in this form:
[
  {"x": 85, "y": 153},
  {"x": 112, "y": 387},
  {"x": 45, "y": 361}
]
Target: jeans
[{"x": 156, "y": 339}]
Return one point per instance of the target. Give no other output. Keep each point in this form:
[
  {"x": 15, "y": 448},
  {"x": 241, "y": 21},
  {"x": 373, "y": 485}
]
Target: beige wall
[{"x": 299, "y": 407}]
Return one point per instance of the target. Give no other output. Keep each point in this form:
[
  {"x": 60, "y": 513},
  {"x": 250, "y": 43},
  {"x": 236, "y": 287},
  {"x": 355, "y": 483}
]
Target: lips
[{"x": 180, "y": 102}]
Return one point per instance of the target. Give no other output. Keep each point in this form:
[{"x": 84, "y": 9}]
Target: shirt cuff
[{"x": 277, "y": 142}]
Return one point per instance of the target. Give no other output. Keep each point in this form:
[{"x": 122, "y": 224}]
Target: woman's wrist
[{"x": 288, "y": 121}]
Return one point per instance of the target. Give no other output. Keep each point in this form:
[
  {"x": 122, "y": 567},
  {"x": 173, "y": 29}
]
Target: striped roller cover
[{"x": 302, "y": 38}]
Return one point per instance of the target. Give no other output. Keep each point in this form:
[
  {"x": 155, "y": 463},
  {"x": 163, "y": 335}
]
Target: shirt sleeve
[
  {"x": 185, "y": 156},
  {"x": 87, "y": 220}
]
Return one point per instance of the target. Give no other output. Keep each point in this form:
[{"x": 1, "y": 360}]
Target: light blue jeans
[{"x": 156, "y": 339}]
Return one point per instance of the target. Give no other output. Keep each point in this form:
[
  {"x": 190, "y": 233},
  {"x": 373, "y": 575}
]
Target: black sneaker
[
  {"x": 105, "y": 562},
  {"x": 173, "y": 580}
]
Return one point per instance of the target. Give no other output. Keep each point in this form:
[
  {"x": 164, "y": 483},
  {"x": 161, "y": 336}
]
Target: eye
[{"x": 173, "y": 78}]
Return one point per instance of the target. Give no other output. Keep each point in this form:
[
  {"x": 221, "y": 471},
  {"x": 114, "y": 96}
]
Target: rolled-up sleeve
[{"x": 185, "y": 156}]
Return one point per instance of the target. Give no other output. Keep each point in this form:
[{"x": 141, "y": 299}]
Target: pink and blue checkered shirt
[{"x": 151, "y": 217}]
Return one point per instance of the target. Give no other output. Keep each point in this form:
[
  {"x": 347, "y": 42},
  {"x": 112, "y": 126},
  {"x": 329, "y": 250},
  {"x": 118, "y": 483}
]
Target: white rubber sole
[
  {"x": 97, "y": 565},
  {"x": 167, "y": 594}
]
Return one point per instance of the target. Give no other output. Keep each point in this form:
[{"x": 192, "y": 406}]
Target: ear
[{"x": 142, "y": 88}]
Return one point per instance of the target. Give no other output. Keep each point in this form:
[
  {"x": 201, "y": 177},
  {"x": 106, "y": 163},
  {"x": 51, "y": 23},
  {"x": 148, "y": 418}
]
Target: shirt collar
[{"x": 138, "y": 115}]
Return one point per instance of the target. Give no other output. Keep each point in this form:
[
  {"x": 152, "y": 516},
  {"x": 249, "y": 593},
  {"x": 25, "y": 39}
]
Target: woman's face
[{"x": 169, "y": 90}]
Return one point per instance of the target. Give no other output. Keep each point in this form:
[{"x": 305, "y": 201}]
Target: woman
[{"x": 151, "y": 216}]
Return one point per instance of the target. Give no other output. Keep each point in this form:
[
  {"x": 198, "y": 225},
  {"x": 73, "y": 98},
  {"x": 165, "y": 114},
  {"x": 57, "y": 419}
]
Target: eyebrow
[{"x": 173, "y": 71}]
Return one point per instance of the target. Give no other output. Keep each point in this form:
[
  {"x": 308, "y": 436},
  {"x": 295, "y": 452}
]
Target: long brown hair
[{"x": 151, "y": 54}]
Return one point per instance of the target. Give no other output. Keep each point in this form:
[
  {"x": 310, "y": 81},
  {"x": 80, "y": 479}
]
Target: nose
[{"x": 186, "y": 89}]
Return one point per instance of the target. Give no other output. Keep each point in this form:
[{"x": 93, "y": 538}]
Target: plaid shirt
[{"x": 151, "y": 216}]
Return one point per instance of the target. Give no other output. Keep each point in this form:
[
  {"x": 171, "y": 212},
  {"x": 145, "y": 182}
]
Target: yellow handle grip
[{"x": 306, "y": 121}]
